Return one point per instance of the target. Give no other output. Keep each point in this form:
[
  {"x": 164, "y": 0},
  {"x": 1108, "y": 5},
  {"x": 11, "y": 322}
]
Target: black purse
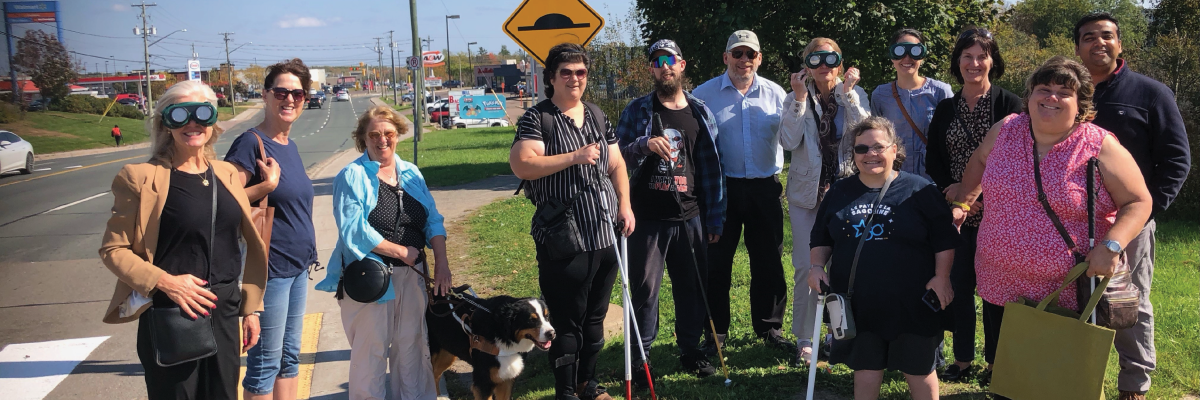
[
  {"x": 365, "y": 280},
  {"x": 175, "y": 337},
  {"x": 554, "y": 220}
]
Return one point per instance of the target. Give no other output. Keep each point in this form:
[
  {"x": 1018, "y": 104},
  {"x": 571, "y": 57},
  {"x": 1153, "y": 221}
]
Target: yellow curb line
[
  {"x": 308, "y": 356},
  {"x": 72, "y": 170}
]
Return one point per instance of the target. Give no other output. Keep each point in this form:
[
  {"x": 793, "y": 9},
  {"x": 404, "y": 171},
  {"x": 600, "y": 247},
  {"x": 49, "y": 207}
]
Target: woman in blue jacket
[{"x": 385, "y": 212}]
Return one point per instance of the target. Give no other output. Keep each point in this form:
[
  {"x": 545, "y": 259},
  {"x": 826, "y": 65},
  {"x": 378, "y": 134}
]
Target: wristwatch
[{"x": 1112, "y": 245}]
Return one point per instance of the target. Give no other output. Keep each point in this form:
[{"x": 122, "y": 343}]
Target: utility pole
[
  {"x": 378, "y": 51},
  {"x": 471, "y": 59},
  {"x": 145, "y": 55},
  {"x": 418, "y": 84},
  {"x": 229, "y": 98},
  {"x": 448, "y": 18},
  {"x": 392, "y": 55}
]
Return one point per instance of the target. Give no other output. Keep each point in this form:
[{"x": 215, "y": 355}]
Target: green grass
[
  {"x": 503, "y": 254},
  {"x": 53, "y": 131},
  {"x": 451, "y": 157}
]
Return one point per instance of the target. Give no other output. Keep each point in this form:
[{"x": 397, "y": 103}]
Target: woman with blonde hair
[
  {"x": 385, "y": 213},
  {"x": 173, "y": 243},
  {"x": 812, "y": 131}
]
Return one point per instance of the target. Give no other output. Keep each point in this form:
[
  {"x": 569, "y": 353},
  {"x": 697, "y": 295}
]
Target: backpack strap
[{"x": 543, "y": 108}]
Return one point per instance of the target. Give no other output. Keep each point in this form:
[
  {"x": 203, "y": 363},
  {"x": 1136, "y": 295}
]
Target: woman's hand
[
  {"x": 851, "y": 79},
  {"x": 625, "y": 220},
  {"x": 976, "y": 208},
  {"x": 941, "y": 286},
  {"x": 443, "y": 280},
  {"x": 589, "y": 154},
  {"x": 270, "y": 170},
  {"x": 250, "y": 331},
  {"x": 410, "y": 255},
  {"x": 1102, "y": 262},
  {"x": 960, "y": 216},
  {"x": 186, "y": 291},
  {"x": 798, "y": 89},
  {"x": 951, "y": 192},
  {"x": 816, "y": 276}
]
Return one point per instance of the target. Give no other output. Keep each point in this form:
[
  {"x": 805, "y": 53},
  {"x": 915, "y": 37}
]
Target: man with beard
[
  {"x": 1142, "y": 114},
  {"x": 677, "y": 194},
  {"x": 748, "y": 109}
]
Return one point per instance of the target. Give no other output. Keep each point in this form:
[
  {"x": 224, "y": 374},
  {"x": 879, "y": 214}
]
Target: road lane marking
[
  {"x": 73, "y": 203},
  {"x": 30, "y": 371},
  {"x": 41, "y": 169},
  {"x": 72, "y": 170},
  {"x": 73, "y": 167},
  {"x": 309, "y": 337}
]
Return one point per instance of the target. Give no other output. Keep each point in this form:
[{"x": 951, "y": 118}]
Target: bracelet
[{"x": 962, "y": 205}]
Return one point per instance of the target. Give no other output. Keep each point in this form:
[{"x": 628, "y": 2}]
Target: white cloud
[
  {"x": 119, "y": 7},
  {"x": 296, "y": 21}
]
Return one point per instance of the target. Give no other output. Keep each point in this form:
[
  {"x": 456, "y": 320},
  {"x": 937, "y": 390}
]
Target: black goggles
[
  {"x": 900, "y": 50},
  {"x": 177, "y": 115},
  {"x": 816, "y": 59}
]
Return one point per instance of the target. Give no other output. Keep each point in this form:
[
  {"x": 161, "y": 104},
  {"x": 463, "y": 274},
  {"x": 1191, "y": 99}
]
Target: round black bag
[{"x": 366, "y": 280}]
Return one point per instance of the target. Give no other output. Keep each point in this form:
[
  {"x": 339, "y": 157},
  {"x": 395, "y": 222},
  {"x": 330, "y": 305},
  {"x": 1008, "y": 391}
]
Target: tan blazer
[{"x": 132, "y": 234}]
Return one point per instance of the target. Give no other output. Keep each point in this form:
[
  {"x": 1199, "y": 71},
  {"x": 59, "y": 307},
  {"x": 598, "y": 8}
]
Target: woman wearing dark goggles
[
  {"x": 179, "y": 114},
  {"x": 909, "y": 100}
]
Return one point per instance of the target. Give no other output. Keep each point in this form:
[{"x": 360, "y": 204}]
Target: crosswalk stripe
[{"x": 29, "y": 371}]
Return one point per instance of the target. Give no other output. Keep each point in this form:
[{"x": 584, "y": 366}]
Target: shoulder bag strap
[
  {"x": 896, "y": 95},
  {"x": 212, "y": 229},
  {"x": 863, "y": 239},
  {"x": 1041, "y": 194},
  {"x": 262, "y": 155}
]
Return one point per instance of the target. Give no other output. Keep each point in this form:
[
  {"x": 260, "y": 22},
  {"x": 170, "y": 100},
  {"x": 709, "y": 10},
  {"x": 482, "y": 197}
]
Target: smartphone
[{"x": 931, "y": 299}]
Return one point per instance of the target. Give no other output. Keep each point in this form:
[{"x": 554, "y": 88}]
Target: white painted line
[
  {"x": 29, "y": 371},
  {"x": 71, "y": 204},
  {"x": 41, "y": 169},
  {"x": 74, "y": 166}
]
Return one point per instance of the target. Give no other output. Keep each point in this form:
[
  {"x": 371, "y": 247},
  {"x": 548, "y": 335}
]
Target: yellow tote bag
[{"x": 1051, "y": 354}]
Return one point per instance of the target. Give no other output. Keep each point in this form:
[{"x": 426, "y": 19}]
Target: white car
[
  {"x": 343, "y": 96},
  {"x": 461, "y": 123},
  {"x": 15, "y": 154}
]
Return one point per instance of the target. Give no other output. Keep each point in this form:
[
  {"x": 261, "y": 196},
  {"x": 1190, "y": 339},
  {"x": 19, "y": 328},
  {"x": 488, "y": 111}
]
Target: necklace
[{"x": 203, "y": 176}]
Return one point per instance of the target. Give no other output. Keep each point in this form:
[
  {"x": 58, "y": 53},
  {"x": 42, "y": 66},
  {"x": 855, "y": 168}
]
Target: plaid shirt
[{"x": 633, "y": 132}]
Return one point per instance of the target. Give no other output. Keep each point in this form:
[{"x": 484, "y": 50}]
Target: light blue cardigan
[{"x": 355, "y": 191}]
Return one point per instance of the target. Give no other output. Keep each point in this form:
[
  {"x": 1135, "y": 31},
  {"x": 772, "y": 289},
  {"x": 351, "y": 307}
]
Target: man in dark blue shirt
[{"x": 1142, "y": 113}]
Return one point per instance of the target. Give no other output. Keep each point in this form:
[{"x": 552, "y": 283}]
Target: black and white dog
[{"x": 501, "y": 330}]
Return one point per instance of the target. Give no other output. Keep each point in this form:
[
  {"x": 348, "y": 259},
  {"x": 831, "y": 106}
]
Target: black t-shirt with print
[
  {"x": 911, "y": 224},
  {"x": 650, "y": 194}
]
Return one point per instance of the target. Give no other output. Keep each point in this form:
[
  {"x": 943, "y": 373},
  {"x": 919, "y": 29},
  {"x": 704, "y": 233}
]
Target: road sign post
[{"x": 538, "y": 25}]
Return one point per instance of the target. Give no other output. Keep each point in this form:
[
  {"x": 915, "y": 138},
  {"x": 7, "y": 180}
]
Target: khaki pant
[
  {"x": 804, "y": 299},
  {"x": 390, "y": 335}
]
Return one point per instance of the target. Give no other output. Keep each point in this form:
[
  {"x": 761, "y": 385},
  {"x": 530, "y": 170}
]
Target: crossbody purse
[
  {"x": 175, "y": 337},
  {"x": 896, "y": 95},
  {"x": 841, "y": 315}
]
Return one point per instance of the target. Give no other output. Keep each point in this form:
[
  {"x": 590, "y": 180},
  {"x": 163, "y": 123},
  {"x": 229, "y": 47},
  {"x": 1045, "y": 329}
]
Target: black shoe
[
  {"x": 777, "y": 341},
  {"x": 698, "y": 365},
  {"x": 955, "y": 374},
  {"x": 708, "y": 347},
  {"x": 639, "y": 376}
]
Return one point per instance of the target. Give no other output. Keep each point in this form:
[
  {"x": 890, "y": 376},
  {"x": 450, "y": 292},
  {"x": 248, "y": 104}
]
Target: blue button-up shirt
[
  {"x": 920, "y": 104},
  {"x": 748, "y": 142}
]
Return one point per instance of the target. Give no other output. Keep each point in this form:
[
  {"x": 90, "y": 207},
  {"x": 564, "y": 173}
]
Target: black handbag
[
  {"x": 365, "y": 280},
  {"x": 554, "y": 220},
  {"x": 175, "y": 337}
]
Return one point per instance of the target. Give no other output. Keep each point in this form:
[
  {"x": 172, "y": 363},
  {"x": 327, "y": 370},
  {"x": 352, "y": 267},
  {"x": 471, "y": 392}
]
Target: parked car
[
  {"x": 477, "y": 122},
  {"x": 407, "y": 97},
  {"x": 439, "y": 113},
  {"x": 342, "y": 96},
  {"x": 38, "y": 105},
  {"x": 451, "y": 84},
  {"x": 15, "y": 154},
  {"x": 434, "y": 106}
]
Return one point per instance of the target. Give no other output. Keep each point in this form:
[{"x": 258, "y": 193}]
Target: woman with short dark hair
[{"x": 577, "y": 163}]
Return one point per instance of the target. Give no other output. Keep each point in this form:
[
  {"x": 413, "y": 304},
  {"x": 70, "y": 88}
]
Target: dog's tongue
[{"x": 543, "y": 345}]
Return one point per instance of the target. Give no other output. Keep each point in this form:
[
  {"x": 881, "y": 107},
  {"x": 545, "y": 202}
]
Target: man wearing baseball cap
[
  {"x": 677, "y": 192},
  {"x": 748, "y": 109}
]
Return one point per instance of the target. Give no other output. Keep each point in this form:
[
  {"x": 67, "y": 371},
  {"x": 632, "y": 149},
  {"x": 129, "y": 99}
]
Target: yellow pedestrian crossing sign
[{"x": 538, "y": 25}]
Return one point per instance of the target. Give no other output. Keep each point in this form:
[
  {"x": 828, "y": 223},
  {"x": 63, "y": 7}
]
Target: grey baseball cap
[
  {"x": 667, "y": 45},
  {"x": 742, "y": 38}
]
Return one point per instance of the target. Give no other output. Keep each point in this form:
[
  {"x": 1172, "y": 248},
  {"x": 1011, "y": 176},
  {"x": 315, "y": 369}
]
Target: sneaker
[
  {"x": 954, "y": 373},
  {"x": 1131, "y": 396},
  {"x": 698, "y": 365},
  {"x": 707, "y": 346},
  {"x": 777, "y": 341},
  {"x": 591, "y": 390}
]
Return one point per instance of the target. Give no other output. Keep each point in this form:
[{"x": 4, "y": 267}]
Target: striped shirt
[{"x": 562, "y": 185}]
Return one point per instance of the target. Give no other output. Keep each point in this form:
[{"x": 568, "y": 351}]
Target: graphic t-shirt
[
  {"x": 651, "y": 195},
  {"x": 911, "y": 224}
]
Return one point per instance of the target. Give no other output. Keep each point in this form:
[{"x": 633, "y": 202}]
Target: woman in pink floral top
[{"x": 1021, "y": 254}]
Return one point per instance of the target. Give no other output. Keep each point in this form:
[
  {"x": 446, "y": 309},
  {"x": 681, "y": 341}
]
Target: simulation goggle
[
  {"x": 177, "y": 115},
  {"x": 915, "y": 50},
  {"x": 816, "y": 59},
  {"x": 663, "y": 61}
]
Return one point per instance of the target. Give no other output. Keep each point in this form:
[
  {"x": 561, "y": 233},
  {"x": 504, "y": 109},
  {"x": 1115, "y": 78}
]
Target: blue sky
[{"x": 335, "y": 32}]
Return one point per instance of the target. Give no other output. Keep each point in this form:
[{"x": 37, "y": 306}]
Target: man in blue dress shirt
[{"x": 748, "y": 109}]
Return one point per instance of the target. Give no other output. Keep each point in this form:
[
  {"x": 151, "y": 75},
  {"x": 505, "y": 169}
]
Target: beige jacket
[
  {"x": 132, "y": 234},
  {"x": 798, "y": 134}
]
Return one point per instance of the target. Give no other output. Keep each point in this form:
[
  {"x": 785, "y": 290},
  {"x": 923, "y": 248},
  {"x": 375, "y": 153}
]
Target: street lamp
[
  {"x": 168, "y": 35},
  {"x": 448, "y": 18},
  {"x": 471, "y": 59}
]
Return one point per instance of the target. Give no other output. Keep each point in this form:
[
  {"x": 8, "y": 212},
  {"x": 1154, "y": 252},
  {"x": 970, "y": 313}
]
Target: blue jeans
[{"x": 277, "y": 353}]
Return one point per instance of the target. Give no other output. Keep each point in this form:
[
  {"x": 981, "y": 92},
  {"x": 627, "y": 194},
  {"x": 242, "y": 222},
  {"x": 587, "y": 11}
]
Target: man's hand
[
  {"x": 661, "y": 146},
  {"x": 713, "y": 238}
]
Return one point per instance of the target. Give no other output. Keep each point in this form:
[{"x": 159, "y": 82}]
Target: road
[{"x": 55, "y": 287}]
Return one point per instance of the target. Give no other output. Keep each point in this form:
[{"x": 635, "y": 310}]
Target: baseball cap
[
  {"x": 667, "y": 45},
  {"x": 742, "y": 38}
]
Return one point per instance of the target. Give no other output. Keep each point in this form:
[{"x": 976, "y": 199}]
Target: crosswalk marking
[{"x": 29, "y": 371}]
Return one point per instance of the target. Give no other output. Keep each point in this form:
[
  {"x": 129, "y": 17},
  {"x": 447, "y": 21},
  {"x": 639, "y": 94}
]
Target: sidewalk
[{"x": 246, "y": 115}]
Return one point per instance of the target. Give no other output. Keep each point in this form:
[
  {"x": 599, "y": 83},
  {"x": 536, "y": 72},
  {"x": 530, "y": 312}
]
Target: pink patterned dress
[{"x": 1020, "y": 252}]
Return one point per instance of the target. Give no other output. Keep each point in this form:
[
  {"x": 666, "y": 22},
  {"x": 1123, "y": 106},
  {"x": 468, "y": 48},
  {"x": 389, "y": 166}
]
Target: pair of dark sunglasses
[
  {"x": 663, "y": 61},
  {"x": 900, "y": 50},
  {"x": 282, "y": 94},
  {"x": 750, "y": 54},
  {"x": 567, "y": 73},
  {"x": 864, "y": 149},
  {"x": 177, "y": 115},
  {"x": 816, "y": 59}
]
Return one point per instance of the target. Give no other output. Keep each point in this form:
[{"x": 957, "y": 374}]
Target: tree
[
  {"x": 1180, "y": 15},
  {"x": 47, "y": 63},
  {"x": 255, "y": 74},
  {"x": 504, "y": 53},
  {"x": 1045, "y": 18}
]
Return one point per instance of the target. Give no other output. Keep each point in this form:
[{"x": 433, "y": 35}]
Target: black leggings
[
  {"x": 215, "y": 377},
  {"x": 993, "y": 315},
  {"x": 962, "y": 309},
  {"x": 576, "y": 291}
]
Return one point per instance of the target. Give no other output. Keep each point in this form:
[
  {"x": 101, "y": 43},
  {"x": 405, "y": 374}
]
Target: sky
[{"x": 321, "y": 32}]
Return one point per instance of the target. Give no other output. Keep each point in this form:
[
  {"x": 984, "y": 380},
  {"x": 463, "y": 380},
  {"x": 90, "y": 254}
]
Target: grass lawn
[
  {"x": 503, "y": 255},
  {"x": 451, "y": 157},
  {"x": 226, "y": 113},
  {"x": 53, "y": 131}
]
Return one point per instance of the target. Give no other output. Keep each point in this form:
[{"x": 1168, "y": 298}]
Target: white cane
[{"x": 812, "y": 364}]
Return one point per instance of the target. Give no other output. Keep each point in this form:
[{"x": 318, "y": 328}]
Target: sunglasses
[
  {"x": 864, "y": 149},
  {"x": 282, "y": 94},
  {"x": 899, "y": 50},
  {"x": 177, "y": 115},
  {"x": 816, "y": 59},
  {"x": 378, "y": 135},
  {"x": 663, "y": 61},
  {"x": 975, "y": 32},
  {"x": 750, "y": 54},
  {"x": 566, "y": 73}
]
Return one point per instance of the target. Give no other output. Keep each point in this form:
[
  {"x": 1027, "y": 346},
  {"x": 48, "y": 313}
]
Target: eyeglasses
[
  {"x": 379, "y": 135},
  {"x": 750, "y": 54},
  {"x": 663, "y": 61},
  {"x": 876, "y": 149},
  {"x": 566, "y": 73},
  {"x": 816, "y": 59},
  {"x": 177, "y": 115},
  {"x": 975, "y": 31},
  {"x": 915, "y": 50},
  {"x": 282, "y": 94}
]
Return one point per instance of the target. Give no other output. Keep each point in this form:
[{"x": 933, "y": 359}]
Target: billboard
[
  {"x": 20, "y": 12},
  {"x": 433, "y": 58},
  {"x": 194, "y": 70},
  {"x": 478, "y": 107}
]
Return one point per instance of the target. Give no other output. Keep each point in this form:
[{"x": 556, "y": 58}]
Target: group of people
[
  {"x": 884, "y": 195},
  {"x": 183, "y": 236}
]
